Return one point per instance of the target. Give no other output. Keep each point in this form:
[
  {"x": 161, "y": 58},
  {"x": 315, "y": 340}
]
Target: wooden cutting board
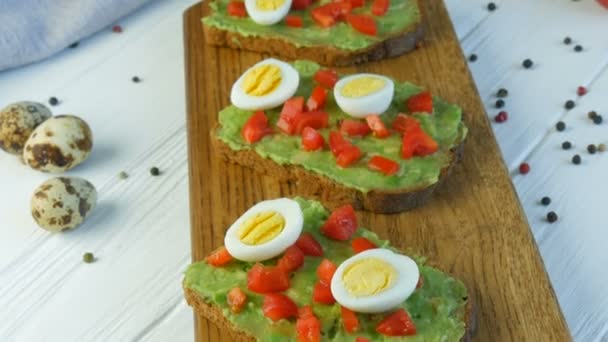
[{"x": 474, "y": 225}]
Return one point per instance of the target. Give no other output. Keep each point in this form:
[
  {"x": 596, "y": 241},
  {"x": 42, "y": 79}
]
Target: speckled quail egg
[
  {"x": 58, "y": 144},
  {"x": 63, "y": 203},
  {"x": 18, "y": 121}
]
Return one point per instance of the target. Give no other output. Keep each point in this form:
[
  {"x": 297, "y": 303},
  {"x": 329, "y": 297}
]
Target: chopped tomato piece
[
  {"x": 404, "y": 123},
  {"x": 417, "y": 143},
  {"x": 256, "y": 127},
  {"x": 309, "y": 245},
  {"x": 384, "y": 165},
  {"x": 398, "y": 323},
  {"x": 326, "y": 270},
  {"x": 341, "y": 224},
  {"x": 349, "y": 156},
  {"x": 330, "y": 13},
  {"x": 294, "y": 21},
  {"x": 363, "y": 23},
  {"x": 326, "y": 78},
  {"x": 337, "y": 143},
  {"x": 420, "y": 282},
  {"x": 361, "y": 339},
  {"x": 349, "y": 319},
  {"x": 322, "y": 18},
  {"x": 266, "y": 279},
  {"x": 308, "y": 326},
  {"x": 291, "y": 109},
  {"x": 357, "y": 3},
  {"x": 422, "y": 102},
  {"x": 292, "y": 259},
  {"x": 354, "y": 128},
  {"x": 361, "y": 244},
  {"x": 278, "y": 306},
  {"x": 317, "y": 99},
  {"x": 237, "y": 9},
  {"x": 321, "y": 293},
  {"x": 219, "y": 257},
  {"x": 312, "y": 140},
  {"x": 300, "y": 4},
  {"x": 236, "y": 299},
  {"x": 377, "y": 126},
  {"x": 315, "y": 119},
  {"x": 379, "y": 7}
]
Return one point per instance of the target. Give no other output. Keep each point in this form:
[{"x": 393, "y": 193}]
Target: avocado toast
[
  {"x": 436, "y": 308},
  {"x": 333, "y": 33},
  {"x": 389, "y": 170}
]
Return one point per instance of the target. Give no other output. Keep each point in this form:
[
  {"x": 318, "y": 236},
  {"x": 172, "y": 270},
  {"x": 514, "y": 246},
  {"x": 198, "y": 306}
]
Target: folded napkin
[{"x": 31, "y": 30}]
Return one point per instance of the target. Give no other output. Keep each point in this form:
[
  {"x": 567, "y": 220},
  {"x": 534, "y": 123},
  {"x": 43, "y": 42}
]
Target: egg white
[
  {"x": 294, "y": 220},
  {"x": 374, "y": 103},
  {"x": 290, "y": 80},
  {"x": 267, "y": 17},
  {"x": 401, "y": 289}
]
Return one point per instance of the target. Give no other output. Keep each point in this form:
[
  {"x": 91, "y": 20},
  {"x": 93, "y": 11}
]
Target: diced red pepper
[
  {"x": 278, "y": 306},
  {"x": 326, "y": 270},
  {"x": 384, "y": 165},
  {"x": 312, "y": 140},
  {"x": 321, "y": 293},
  {"x": 292, "y": 259},
  {"x": 291, "y": 108},
  {"x": 315, "y": 119},
  {"x": 237, "y": 9},
  {"x": 398, "y": 323},
  {"x": 354, "y": 128},
  {"x": 349, "y": 319},
  {"x": 294, "y": 21},
  {"x": 309, "y": 245},
  {"x": 300, "y": 4},
  {"x": 361, "y": 339},
  {"x": 317, "y": 99},
  {"x": 308, "y": 325},
  {"x": 404, "y": 123},
  {"x": 417, "y": 143},
  {"x": 349, "y": 156},
  {"x": 361, "y": 244},
  {"x": 363, "y": 23},
  {"x": 377, "y": 126},
  {"x": 256, "y": 127},
  {"x": 266, "y": 279},
  {"x": 326, "y": 78},
  {"x": 219, "y": 257},
  {"x": 420, "y": 103},
  {"x": 379, "y": 7},
  {"x": 341, "y": 224},
  {"x": 337, "y": 143},
  {"x": 236, "y": 299}
]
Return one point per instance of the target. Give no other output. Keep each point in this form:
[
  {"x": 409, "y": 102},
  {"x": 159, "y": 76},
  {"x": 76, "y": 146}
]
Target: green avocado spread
[
  {"x": 400, "y": 15},
  {"x": 437, "y": 308},
  {"x": 444, "y": 125}
]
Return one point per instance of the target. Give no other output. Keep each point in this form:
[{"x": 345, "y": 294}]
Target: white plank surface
[{"x": 140, "y": 232}]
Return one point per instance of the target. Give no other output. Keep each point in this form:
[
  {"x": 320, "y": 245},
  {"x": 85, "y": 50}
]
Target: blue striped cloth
[{"x": 31, "y": 30}]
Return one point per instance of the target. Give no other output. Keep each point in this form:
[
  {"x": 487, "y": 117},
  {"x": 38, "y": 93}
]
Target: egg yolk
[
  {"x": 261, "y": 228},
  {"x": 262, "y": 80},
  {"x": 367, "y": 277},
  {"x": 269, "y": 5},
  {"x": 362, "y": 86}
]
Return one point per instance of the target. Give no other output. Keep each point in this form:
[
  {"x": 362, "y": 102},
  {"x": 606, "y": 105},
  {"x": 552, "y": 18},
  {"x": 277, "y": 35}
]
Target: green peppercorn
[
  {"x": 502, "y": 92},
  {"x": 88, "y": 257},
  {"x": 601, "y": 147},
  {"x": 592, "y": 114},
  {"x": 123, "y": 175},
  {"x": 154, "y": 171}
]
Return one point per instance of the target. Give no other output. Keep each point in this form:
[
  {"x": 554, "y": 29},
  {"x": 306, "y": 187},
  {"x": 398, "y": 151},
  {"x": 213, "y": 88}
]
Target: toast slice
[
  {"x": 441, "y": 300},
  {"x": 315, "y": 174},
  {"x": 288, "y": 43}
]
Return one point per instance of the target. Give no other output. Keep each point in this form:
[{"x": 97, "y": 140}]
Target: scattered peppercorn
[
  {"x": 136, "y": 79},
  {"x": 502, "y": 116},
  {"x": 123, "y": 175},
  {"x": 499, "y": 103},
  {"x": 567, "y": 40},
  {"x": 473, "y": 57},
  {"x": 591, "y": 148},
  {"x": 545, "y": 201},
  {"x": 74, "y": 45},
  {"x": 560, "y": 126},
  {"x": 597, "y": 119},
  {"x": 566, "y": 145},
  {"x": 576, "y": 159},
  {"x": 502, "y": 92},
  {"x": 578, "y": 48},
  {"x": 117, "y": 29},
  {"x": 569, "y": 104},
  {"x": 581, "y": 91},
  {"x": 88, "y": 257},
  {"x": 601, "y": 147},
  {"x": 527, "y": 63},
  {"x": 592, "y": 114},
  {"x": 154, "y": 171},
  {"x": 491, "y": 6},
  {"x": 53, "y": 101},
  {"x": 524, "y": 168},
  {"x": 551, "y": 216}
]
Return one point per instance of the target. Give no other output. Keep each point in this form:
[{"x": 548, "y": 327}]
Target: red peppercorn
[
  {"x": 117, "y": 29},
  {"x": 502, "y": 116},
  {"x": 581, "y": 91},
  {"x": 524, "y": 168}
]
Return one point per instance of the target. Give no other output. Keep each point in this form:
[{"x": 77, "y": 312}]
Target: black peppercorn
[
  {"x": 560, "y": 126},
  {"x": 569, "y": 104},
  {"x": 591, "y": 148},
  {"x": 491, "y": 6},
  {"x": 592, "y": 114},
  {"x": 578, "y": 48},
  {"x": 135, "y": 79},
  {"x": 576, "y": 159},
  {"x": 502, "y": 92},
  {"x": 499, "y": 103},
  {"x": 154, "y": 171},
  {"x": 551, "y": 216},
  {"x": 74, "y": 45},
  {"x": 527, "y": 63},
  {"x": 473, "y": 57},
  {"x": 545, "y": 201},
  {"x": 53, "y": 101},
  {"x": 597, "y": 119},
  {"x": 566, "y": 145},
  {"x": 567, "y": 40}
]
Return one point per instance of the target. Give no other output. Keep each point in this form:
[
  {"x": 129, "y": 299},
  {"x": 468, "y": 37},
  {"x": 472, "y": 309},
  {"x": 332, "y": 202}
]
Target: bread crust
[
  {"x": 400, "y": 43},
  {"x": 331, "y": 193}
]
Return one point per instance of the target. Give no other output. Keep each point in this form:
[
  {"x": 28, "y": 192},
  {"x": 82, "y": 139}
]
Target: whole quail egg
[
  {"x": 58, "y": 144},
  {"x": 18, "y": 121},
  {"x": 63, "y": 203}
]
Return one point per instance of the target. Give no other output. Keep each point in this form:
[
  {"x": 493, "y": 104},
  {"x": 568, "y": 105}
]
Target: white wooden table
[{"x": 140, "y": 231}]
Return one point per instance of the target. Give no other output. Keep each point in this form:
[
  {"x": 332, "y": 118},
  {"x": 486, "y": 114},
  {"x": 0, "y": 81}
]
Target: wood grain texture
[{"x": 474, "y": 224}]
